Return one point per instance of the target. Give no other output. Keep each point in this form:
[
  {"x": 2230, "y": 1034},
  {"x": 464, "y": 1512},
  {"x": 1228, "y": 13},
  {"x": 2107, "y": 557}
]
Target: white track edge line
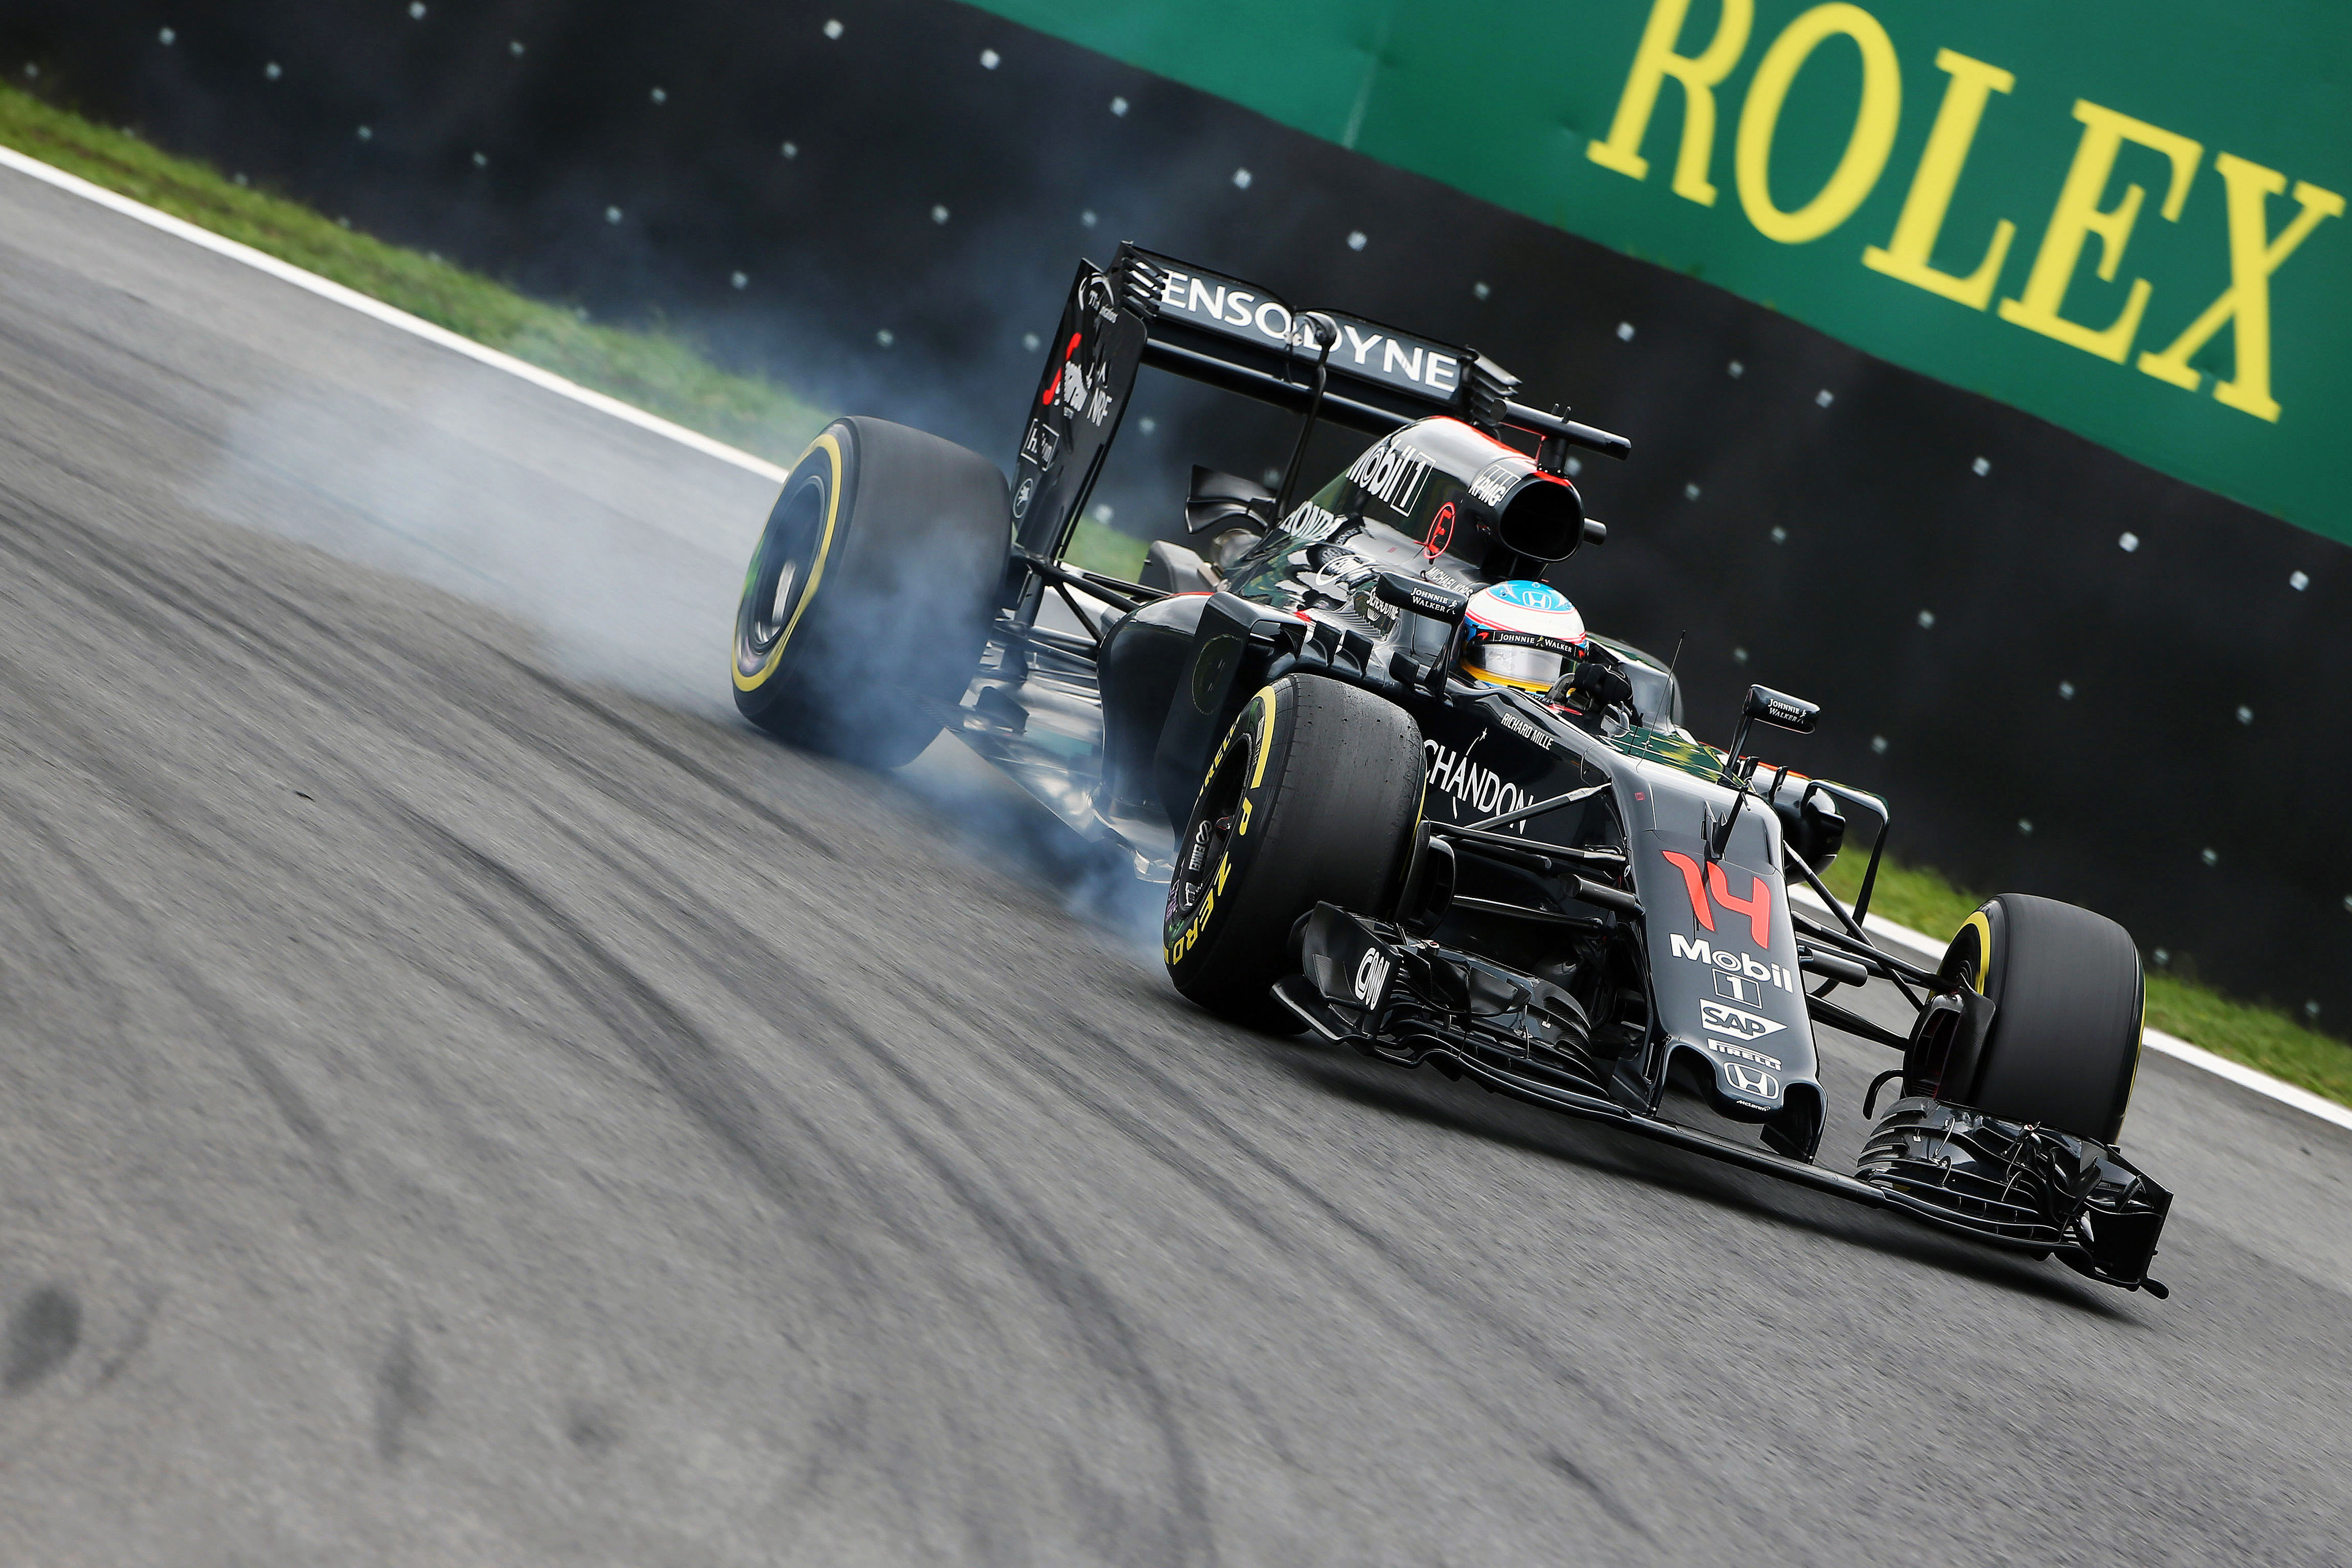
[
  {"x": 352, "y": 298},
  {"x": 2172, "y": 1046}
]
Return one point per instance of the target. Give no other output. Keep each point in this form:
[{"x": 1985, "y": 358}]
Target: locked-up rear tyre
[
  {"x": 870, "y": 591},
  {"x": 1312, "y": 796},
  {"x": 2068, "y": 998}
]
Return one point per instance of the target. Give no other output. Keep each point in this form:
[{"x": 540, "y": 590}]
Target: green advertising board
[{"x": 2128, "y": 220}]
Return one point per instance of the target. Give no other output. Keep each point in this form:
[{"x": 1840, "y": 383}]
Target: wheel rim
[
  {"x": 778, "y": 581},
  {"x": 1210, "y": 835}
]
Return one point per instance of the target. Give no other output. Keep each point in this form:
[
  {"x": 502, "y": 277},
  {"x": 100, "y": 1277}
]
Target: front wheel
[
  {"x": 2068, "y": 996},
  {"x": 1311, "y": 798},
  {"x": 870, "y": 591}
]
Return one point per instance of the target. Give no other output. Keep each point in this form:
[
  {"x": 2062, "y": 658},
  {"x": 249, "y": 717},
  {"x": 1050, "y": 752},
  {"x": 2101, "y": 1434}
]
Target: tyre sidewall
[
  {"x": 1191, "y": 940},
  {"x": 1324, "y": 781},
  {"x": 2069, "y": 1003},
  {"x": 827, "y": 471},
  {"x": 898, "y": 595}
]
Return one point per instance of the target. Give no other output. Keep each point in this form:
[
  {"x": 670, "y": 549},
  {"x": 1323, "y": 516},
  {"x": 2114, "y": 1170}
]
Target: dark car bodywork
[{"x": 1595, "y": 909}]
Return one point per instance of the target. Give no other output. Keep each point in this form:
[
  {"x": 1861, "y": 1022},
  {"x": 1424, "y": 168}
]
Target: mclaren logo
[{"x": 1754, "y": 1082}]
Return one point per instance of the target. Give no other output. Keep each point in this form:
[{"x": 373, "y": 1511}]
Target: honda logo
[{"x": 1753, "y": 1082}]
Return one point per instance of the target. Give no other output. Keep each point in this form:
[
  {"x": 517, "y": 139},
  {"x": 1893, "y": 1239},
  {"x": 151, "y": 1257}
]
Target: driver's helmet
[{"x": 1520, "y": 634}]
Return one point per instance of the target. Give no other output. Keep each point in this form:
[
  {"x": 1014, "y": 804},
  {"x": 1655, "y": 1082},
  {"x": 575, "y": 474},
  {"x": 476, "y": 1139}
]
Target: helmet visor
[{"x": 1530, "y": 669}]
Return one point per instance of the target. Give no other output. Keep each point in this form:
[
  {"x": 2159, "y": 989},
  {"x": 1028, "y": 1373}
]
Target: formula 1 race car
[{"x": 1402, "y": 797}]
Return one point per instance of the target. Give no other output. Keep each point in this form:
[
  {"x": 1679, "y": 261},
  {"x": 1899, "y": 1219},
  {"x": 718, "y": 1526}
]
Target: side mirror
[
  {"x": 1219, "y": 499},
  {"x": 1778, "y": 710},
  {"x": 1767, "y": 706},
  {"x": 1818, "y": 831}
]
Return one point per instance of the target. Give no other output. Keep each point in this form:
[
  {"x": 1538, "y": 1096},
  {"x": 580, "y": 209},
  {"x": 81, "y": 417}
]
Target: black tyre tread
[
  {"x": 1347, "y": 794},
  {"x": 2065, "y": 1039},
  {"x": 904, "y": 603}
]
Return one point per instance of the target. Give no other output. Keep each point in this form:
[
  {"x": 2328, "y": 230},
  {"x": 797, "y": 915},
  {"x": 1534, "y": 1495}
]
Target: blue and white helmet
[{"x": 1520, "y": 634}]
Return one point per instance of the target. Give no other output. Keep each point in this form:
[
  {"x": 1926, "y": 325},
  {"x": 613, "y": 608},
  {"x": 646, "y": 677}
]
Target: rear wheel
[
  {"x": 2068, "y": 998},
  {"x": 1311, "y": 798},
  {"x": 870, "y": 591}
]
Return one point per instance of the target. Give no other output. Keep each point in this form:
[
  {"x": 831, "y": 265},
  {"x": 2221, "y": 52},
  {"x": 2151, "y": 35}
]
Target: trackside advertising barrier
[{"x": 2128, "y": 220}]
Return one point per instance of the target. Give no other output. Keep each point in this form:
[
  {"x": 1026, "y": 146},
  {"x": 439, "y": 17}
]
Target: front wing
[{"x": 1370, "y": 986}]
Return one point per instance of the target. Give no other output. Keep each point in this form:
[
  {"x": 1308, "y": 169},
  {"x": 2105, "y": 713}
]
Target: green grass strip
[
  {"x": 664, "y": 373},
  {"x": 669, "y": 373}
]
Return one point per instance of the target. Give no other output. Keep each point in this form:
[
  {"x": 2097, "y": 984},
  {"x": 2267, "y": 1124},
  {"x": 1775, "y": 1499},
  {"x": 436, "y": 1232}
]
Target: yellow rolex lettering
[
  {"x": 1655, "y": 61},
  {"x": 1865, "y": 149},
  {"x": 1907, "y": 256},
  {"x": 2246, "y": 303},
  {"x": 2078, "y": 215}
]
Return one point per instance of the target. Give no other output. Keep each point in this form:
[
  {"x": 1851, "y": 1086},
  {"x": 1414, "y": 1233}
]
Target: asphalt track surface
[{"x": 463, "y": 1099}]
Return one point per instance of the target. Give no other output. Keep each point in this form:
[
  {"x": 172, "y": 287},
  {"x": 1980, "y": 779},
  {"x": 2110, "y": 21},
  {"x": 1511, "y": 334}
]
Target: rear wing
[{"x": 1151, "y": 310}]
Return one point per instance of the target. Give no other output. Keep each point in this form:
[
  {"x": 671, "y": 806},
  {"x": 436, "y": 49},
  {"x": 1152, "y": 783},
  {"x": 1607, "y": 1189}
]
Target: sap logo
[
  {"x": 1699, "y": 950},
  {"x": 1390, "y": 473},
  {"x": 1478, "y": 787},
  {"x": 1371, "y": 977},
  {"x": 1522, "y": 729},
  {"x": 1752, "y": 1082},
  {"x": 1720, "y": 1019},
  {"x": 1494, "y": 482},
  {"x": 1758, "y": 1058},
  {"x": 1757, "y": 906}
]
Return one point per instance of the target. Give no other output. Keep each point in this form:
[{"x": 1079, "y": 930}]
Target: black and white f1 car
[{"x": 1403, "y": 798}]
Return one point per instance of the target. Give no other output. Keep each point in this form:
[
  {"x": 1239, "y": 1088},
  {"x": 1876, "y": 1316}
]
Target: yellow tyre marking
[
  {"x": 1263, "y": 702},
  {"x": 1984, "y": 947},
  {"x": 1264, "y": 732},
  {"x": 831, "y": 449}
]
